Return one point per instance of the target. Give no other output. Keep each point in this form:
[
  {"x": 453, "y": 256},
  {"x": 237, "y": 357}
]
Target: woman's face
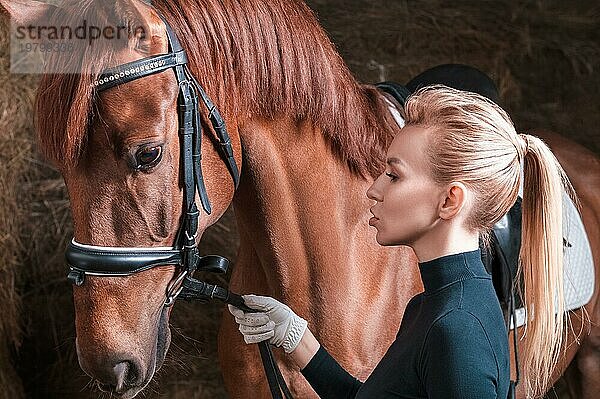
[{"x": 408, "y": 200}]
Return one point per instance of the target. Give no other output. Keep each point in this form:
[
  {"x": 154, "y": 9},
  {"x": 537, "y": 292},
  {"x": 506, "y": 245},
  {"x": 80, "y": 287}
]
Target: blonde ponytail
[
  {"x": 474, "y": 141},
  {"x": 541, "y": 263}
]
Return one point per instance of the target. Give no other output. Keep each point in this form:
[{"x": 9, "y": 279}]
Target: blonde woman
[{"x": 452, "y": 172}]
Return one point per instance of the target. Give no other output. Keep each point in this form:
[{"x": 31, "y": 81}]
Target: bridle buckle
[{"x": 174, "y": 289}]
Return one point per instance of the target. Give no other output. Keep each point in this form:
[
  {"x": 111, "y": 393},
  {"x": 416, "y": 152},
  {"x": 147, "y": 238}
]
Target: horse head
[{"x": 116, "y": 128}]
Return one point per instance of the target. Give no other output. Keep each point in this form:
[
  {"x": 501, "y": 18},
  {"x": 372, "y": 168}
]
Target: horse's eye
[{"x": 148, "y": 157}]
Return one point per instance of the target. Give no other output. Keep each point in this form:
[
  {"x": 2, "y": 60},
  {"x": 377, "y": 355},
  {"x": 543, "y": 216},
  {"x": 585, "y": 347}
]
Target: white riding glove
[{"x": 274, "y": 321}]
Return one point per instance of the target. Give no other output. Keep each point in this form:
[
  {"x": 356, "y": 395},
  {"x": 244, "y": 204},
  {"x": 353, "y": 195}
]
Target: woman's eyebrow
[{"x": 393, "y": 161}]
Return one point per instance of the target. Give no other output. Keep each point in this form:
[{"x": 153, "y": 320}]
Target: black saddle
[{"x": 457, "y": 76}]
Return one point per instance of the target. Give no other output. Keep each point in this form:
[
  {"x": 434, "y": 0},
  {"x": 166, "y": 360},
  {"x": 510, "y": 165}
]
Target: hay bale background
[
  {"x": 544, "y": 56},
  {"x": 14, "y": 151}
]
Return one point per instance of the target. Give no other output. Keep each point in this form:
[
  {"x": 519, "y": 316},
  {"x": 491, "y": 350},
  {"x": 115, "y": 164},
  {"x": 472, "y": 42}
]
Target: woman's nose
[{"x": 373, "y": 193}]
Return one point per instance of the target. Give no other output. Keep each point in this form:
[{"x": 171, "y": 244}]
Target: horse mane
[{"x": 266, "y": 58}]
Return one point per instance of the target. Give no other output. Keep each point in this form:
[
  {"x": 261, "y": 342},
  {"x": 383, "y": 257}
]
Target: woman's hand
[{"x": 274, "y": 321}]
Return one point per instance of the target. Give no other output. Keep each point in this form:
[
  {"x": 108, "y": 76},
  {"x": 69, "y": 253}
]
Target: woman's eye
[
  {"x": 148, "y": 157},
  {"x": 391, "y": 176}
]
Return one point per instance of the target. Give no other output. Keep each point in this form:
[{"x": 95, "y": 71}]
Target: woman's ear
[{"x": 455, "y": 198}]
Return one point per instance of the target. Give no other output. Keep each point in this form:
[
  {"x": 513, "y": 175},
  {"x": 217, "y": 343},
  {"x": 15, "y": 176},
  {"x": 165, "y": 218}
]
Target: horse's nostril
[
  {"x": 120, "y": 373},
  {"x": 120, "y": 378},
  {"x": 132, "y": 375},
  {"x": 126, "y": 376}
]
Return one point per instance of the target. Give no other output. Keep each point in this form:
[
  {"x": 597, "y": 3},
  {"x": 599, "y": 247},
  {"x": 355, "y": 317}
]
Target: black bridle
[
  {"x": 107, "y": 261},
  {"x": 101, "y": 261}
]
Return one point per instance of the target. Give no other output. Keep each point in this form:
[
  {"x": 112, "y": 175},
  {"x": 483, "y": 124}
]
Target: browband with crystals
[{"x": 138, "y": 69}]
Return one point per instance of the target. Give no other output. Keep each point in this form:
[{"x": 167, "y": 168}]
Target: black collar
[{"x": 441, "y": 272}]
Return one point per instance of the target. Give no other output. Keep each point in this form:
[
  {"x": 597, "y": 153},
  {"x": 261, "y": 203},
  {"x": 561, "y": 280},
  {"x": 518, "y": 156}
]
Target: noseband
[{"x": 117, "y": 262}]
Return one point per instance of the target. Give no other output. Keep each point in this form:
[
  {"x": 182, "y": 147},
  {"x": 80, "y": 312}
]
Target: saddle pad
[{"x": 578, "y": 273}]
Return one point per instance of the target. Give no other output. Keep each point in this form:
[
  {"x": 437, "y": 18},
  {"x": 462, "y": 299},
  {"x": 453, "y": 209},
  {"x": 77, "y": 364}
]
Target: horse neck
[{"x": 303, "y": 217}]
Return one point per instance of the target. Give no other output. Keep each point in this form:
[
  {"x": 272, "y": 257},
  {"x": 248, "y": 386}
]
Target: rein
[{"x": 101, "y": 261}]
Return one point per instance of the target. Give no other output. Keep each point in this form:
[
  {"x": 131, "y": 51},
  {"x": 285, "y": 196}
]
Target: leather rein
[{"x": 89, "y": 260}]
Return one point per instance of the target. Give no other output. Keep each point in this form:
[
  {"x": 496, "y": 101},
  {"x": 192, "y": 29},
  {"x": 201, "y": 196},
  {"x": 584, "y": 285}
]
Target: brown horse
[{"x": 313, "y": 139}]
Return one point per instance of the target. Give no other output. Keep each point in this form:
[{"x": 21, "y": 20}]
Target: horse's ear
[
  {"x": 28, "y": 11},
  {"x": 143, "y": 22}
]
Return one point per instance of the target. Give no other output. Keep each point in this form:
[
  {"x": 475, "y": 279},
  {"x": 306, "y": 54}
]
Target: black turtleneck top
[{"x": 452, "y": 342}]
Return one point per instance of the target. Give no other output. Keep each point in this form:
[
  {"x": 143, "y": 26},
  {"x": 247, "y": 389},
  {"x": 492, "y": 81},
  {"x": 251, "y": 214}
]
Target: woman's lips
[{"x": 374, "y": 219}]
